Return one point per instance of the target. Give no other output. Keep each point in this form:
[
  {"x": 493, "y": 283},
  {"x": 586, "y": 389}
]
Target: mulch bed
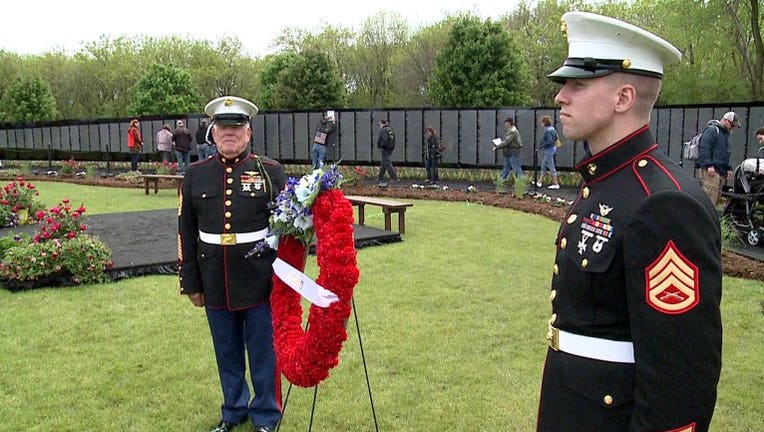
[{"x": 734, "y": 264}]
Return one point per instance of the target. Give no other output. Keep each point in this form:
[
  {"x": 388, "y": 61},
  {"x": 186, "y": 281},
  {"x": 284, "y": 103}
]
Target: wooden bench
[
  {"x": 388, "y": 208},
  {"x": 154, "y": 178}
]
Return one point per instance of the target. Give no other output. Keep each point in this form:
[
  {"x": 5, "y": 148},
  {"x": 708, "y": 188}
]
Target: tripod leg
[
  {"x": 365, "y": 368},
  {"x": 284, "y": 407}
]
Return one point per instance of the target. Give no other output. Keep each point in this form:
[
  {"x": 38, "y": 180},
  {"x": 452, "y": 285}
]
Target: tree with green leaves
[
  {"x": 480, "y": 66},
  {"x": 164, "y": 90},
  {"x": 10, "y": 67},
  {"x": 268, "y": 79},
  {"x": 381, "y": 37},
  {"x": 28, "y": 99},
  {"x": 413, "y": 65},
  {"x": 542, "y": 44},
  {"x": 309, "y": 81}
]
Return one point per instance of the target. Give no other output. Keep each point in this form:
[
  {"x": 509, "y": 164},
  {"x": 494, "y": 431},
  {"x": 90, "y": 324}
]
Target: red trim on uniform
[
  {"x": 661, "y": 167},
  {"x": 672, "y": 282},
  {"x": 620, "y": 167},
  {"x": 689, "y": 428},
  {"x": 612, "y": 147},
  {"x": 639, "y": 178},
  {"x": 200, "y": 162},
  {"x": 277, "y": 384}
]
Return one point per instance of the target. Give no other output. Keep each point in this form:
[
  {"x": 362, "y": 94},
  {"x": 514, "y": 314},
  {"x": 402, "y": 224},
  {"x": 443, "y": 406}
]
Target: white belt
[
  {"x": 591, "y": 347},
  {"x": 229, "y": 239}
]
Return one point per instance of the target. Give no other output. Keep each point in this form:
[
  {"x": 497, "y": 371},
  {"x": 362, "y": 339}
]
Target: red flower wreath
[{"x": 305, "y": 357}]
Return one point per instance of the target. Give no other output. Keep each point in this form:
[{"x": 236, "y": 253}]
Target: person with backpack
[
  {"x": 386, "y": 143},
  {"x": 713, "y": 164}
]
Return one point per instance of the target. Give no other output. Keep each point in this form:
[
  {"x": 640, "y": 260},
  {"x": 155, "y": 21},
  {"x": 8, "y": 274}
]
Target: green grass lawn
[{"x": 453, "y": 322}]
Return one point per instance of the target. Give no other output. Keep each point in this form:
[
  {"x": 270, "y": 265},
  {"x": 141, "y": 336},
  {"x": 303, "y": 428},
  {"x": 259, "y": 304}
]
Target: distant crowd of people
[{"x": 173, "y": 145}]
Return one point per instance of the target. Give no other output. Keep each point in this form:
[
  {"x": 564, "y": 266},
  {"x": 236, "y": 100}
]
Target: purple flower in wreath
[{"x": 260, "y": 247}]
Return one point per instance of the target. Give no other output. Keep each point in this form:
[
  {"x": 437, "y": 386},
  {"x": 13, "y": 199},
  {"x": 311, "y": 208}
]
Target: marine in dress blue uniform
[
  {"x": 635, "y": 333},
  {"x": 222, "y": 222}
]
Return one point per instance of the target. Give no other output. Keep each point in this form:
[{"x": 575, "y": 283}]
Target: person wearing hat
[
  {"x": 181, "y": 141},
  {"x": 510, "y": 148},
  {"x": 713, "y": 164},
  {"x": 635, "y": 331},
  {"x": 224, "y": 266}
]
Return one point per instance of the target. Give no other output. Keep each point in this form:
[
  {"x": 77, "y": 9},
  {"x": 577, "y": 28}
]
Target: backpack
[
  {"x": 390, "y": 145},
  {"x": 691, "y": 147},
  {"x": 320, "y": 137}
]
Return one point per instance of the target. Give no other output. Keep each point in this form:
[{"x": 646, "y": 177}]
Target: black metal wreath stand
[{"x": 315, "y": 388}]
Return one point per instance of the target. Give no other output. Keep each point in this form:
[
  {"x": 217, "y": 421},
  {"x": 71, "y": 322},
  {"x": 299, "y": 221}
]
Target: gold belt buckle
[
  {"x": 553, "y": 337},
  {"x": 228, "y": 239}
]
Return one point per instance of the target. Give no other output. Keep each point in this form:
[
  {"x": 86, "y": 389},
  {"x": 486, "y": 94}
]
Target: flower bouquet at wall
[
  {"x": 166, "y": 169},
  {"x": 70, "y": 167},
  {"x": 60, "y": 253},
  {"x": 18, "y": 202},
  {"x": 313, "y": 207}
]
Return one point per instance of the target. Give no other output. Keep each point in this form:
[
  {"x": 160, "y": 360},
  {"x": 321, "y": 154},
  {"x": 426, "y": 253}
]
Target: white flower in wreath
[
  {"x": 308, "y": 187},
  {"x": 304, "y": 221}
]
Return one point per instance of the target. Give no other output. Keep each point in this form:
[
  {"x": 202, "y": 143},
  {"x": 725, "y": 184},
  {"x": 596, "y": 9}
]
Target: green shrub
[
  {"x": 730, "y": 235},
  {"x": 501, "y": 184},
  {"x": 85, "y": 258},
  {"x": 6, "y": 216},
  {"x": 130, "y": 177},
  {"x": 519, "y": 188},
  {"x": 91, "y": 170},
  {"x": 8, "y": 242}
]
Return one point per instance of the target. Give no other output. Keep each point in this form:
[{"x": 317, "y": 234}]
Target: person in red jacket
[{"x": 134, "y": 143}]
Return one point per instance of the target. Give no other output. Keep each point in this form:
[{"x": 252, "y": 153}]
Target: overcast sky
[{"x": 34, "y": 27}]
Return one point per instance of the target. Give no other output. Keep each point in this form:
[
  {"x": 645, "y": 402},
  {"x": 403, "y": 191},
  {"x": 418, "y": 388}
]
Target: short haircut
[
  {"x": 648, "y": 88},
  {"x": 760, "y": 131},
  {"x": 546, "y": 120}
]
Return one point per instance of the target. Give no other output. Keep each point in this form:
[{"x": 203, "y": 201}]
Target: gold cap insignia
[
  {"x": 228, "y": 102},
  {"x": 626, "y": 64}
]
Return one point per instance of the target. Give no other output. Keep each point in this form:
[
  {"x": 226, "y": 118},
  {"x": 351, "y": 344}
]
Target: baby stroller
[{"x": 745, "y": 204}]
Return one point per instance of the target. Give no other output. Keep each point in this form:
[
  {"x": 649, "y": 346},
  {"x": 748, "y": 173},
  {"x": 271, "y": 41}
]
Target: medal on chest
[
  {"x": 597, "y": 229},
  {"x": 252, "y": 181}
]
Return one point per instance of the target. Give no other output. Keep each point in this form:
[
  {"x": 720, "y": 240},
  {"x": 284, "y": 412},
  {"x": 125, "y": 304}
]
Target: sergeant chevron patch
[
  {"x": 688, "y": 428},
  {"x": 671, "y": 282}
]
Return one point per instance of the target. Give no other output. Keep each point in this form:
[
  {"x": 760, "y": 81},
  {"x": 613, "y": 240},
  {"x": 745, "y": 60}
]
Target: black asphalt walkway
[{"x": 146, "y": 242}]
